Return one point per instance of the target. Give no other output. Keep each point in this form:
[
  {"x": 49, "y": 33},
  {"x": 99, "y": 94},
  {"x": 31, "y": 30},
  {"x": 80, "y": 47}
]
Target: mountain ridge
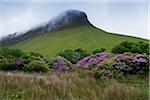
[{"x": 67, "y": 19}]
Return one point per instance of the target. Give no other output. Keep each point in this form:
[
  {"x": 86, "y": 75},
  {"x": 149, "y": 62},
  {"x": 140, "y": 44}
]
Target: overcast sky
[{"x": 129, "y": 17}]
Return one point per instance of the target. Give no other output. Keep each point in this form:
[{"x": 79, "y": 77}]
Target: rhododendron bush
[
  {"x": 92, "y": 61},
  {"x": 128, "y": 63},
  {"x": 100, "y": 64},
  {"x": 60, "y": 64}
]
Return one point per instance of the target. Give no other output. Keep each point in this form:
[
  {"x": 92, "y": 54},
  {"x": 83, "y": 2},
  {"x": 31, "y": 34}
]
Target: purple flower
[
  {"x": 19, "y": 62},
  {"x": 86, "y": 59},
  {"x": 59, "y": 64},
  {"x": 80, "y": 63},
  {"x": 140, "y": 61},
  {"x": 92, "y": 60},
  {"x": 125, "y": 68},
  {"x": 125, "y": 57},
  {"x": 140, "y": 56}
]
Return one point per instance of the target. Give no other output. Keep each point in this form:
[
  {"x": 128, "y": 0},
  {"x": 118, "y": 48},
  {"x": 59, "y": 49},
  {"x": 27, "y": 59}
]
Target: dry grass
[
  {"x": 117, "y": 91},
  {"x": 62, "y": 86}
]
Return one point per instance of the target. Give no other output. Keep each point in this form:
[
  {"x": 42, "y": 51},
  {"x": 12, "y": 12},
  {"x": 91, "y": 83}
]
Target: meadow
[{"x": 78, "y": 85}]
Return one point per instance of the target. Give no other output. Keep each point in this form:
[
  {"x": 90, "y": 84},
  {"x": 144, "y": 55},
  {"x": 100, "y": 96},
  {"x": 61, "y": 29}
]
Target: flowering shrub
[
  {"x": 60, "y": 64},
  {"x": 128, "y": 63},
  {"x": 141, "y": 62},
  {"x": 101, "y": 64},
  {"x": 26, "y": 63},
  {"x": 92, "y": 61},
  {"x": 15, "y": 59},
  {"x": 19, "y": 62},
  {"x": 116, "y": 65}
]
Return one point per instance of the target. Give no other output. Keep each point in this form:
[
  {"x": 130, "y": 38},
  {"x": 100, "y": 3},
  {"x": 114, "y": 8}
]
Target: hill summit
[{"x": 67, "y": 19}]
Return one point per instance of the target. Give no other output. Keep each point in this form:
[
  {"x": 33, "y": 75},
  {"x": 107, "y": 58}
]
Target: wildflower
[{"x": 19, "y": 62}]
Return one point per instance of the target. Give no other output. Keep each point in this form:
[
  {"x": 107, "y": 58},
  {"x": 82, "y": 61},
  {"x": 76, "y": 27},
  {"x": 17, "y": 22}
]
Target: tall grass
[{"x": 62, "y": 86}]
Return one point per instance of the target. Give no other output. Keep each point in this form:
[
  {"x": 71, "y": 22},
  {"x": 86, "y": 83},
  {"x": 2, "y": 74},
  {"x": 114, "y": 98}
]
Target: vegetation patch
[{"x": 74, "y": 75}]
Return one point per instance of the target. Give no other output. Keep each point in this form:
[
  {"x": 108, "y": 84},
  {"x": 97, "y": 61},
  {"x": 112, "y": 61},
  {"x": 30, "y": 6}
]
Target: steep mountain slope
[{"x": 86, "y": 37}]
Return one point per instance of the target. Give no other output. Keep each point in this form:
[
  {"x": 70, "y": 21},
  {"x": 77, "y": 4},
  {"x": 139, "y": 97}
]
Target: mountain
[
  {"x": 70, "y": 30},
  {"x": 67, "y": 19}
]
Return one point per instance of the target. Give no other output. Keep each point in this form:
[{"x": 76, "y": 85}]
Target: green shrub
[
  {"x": 82, "y": 52},
  {"x": 36, "y": 65},
  {"x": 7, "y": 63},
  {"x": 144, "y": 47},
  {"x": 35, "y": 54},
  {"x": 6, "y": 52},
  {"x": 98, "y": 51},
  {"x": 74, "y": 56},
  {"x": 107, "y": 73},
  {"x": 23, "y": 62},
  {"x": 126, "y": 46}
]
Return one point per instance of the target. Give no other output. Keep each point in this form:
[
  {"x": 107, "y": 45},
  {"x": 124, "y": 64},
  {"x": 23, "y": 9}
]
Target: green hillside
[{"x": 85, "y": 37}]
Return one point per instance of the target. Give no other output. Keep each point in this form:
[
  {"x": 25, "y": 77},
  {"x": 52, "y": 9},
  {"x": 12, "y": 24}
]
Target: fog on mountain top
[{"x": 113, "y": 17}]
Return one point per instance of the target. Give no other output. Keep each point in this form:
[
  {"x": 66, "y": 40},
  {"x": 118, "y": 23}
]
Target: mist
[{"x": 129, "y": 18}]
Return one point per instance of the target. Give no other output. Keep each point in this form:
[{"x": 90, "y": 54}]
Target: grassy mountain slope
[{"x": 86, "y": 37}]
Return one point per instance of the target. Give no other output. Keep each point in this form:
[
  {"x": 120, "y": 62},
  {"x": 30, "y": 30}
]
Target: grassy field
[
  {"x": 85, "y": 37},
  {"x": 70, "y": 86}
]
